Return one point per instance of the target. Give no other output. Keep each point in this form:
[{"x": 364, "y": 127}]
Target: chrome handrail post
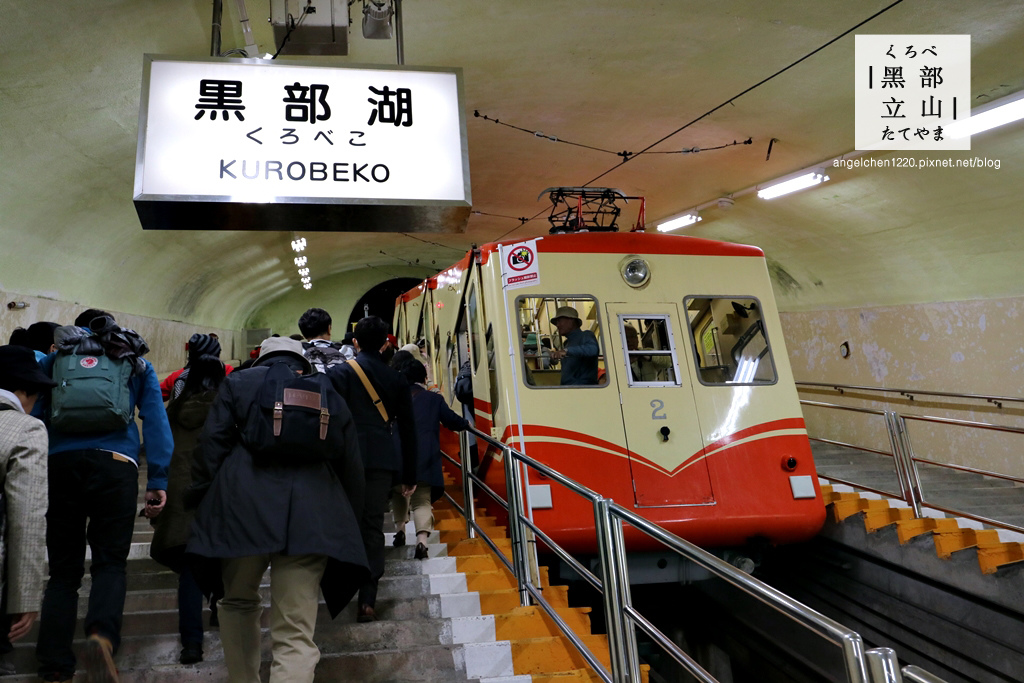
[
  {"x": 853, "y": 655},
  {"x": 630, "y": 650},
  {"x": 611, "y": 579},
  {"x": 913, "y": 476},
  {"x": 893, "y": 425},
  {"x": 514, "y": 497},
  {"x": 883, "y": 665},
  {"x": 468, "y": 507}
]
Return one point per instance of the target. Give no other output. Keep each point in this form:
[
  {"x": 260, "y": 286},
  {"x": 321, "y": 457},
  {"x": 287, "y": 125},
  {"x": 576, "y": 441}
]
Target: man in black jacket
[
  {"x": 299, "y": 516},
  {"x": 386, "y": 460}
]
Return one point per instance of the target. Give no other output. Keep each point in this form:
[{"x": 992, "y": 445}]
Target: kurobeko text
[{"x": 339, "y": 172}]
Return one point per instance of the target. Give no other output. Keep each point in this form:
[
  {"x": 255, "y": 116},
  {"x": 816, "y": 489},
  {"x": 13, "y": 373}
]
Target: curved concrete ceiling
[{"x": 614, "y": 75}]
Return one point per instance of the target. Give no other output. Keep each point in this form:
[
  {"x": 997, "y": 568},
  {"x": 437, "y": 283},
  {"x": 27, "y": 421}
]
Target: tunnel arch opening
[{"x": 380, "y": 300}]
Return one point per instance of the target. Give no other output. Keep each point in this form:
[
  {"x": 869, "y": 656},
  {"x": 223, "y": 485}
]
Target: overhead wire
[
  {"x": 646, "y": 150},
  {"x": 744, "y": 92}
]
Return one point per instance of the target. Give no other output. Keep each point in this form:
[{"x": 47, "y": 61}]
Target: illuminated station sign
[{"x": 250, "y": 144}]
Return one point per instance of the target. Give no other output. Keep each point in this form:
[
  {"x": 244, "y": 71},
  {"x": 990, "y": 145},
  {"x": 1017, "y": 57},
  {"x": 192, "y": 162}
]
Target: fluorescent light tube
[
  {"x": 989, "y": 116},
  {"x": 799, "y": 183},
  {"x": 681, "y": 222}
]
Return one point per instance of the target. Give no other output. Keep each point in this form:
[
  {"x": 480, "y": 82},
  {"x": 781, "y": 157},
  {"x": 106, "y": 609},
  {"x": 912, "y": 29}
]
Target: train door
[{"x": 663, "y": 435}]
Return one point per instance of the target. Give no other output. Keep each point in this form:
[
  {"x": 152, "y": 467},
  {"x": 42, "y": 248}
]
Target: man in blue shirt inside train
[{"x": 580, "y": 352}]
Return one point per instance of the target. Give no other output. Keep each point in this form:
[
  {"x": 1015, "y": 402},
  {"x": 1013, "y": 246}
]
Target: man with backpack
[
  {"x": 382, "y": 408},
  {"x": 280, "y": 476},
  {"x": 315, "y": 326},
  {"x": 94, "y": 483}
]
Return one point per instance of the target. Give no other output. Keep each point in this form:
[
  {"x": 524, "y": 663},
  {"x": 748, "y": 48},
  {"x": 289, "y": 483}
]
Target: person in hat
[
  {"x": 298, "y": 516},
  {"x": 198, "y": 345},
  {"x": 23, "y": 448},
  {"x": 186, "y": 413},
  {"x": 580, "y": 351}
]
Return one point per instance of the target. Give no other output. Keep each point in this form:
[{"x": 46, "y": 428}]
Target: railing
[
  {"x": 906, "y": 463},
  {"x": 878, "y": 665}
]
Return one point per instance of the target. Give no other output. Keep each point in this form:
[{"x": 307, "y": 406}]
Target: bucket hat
[
  {"x": 565, "y": 312},
  {"x": 19, "y": 363}
]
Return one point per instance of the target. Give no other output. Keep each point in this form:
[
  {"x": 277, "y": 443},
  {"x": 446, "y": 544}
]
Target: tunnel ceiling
[{"x": 612, "y": 75}]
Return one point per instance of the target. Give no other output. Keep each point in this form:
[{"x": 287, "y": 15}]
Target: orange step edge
[{"x": 947, "y": 534}]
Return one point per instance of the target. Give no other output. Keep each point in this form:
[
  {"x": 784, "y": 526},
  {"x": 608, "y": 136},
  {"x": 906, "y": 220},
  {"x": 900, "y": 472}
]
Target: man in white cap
[
  {"x": 580, "y": 351},
  {"x": 293, "y": 512}
]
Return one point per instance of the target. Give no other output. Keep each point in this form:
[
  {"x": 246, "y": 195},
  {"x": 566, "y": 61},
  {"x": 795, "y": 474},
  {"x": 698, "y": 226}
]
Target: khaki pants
[
  {"x": 419, "y": 501},
  {"x": 294, "y": 594}
]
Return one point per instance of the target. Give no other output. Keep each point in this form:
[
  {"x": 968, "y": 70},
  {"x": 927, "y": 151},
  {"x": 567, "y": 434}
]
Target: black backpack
[
  {"x": 295, "y": 419},
  {"x": 323, "y": 357}
]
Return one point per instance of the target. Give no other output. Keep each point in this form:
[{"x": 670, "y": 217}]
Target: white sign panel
[
  {"x": 910, "y": 89},
  {"x": 519, "y": 266},
  {"x": 259, "y": 131}
]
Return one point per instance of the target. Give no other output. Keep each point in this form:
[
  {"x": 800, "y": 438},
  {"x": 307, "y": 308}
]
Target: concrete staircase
[
  {"x": 452, "y": 617},
  {"x": 997, "y": 499}
]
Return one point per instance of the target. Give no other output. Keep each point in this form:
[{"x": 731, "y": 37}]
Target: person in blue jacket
[
  {"x": 580, "y": 352},
  {"x": 93, "y": 493},
  {"x": 429, "y": 411}
]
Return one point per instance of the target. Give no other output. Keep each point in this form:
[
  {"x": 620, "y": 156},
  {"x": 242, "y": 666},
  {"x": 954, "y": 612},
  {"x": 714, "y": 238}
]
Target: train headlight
[{"x": 636, "y": 272}]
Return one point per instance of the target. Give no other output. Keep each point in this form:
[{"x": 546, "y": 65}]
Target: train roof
[
  {"x": 604, "y": 243},
  {"x": 632, "y": 243}
]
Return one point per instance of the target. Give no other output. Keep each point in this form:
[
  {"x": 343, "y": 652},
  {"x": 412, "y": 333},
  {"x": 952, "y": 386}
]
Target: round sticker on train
[
  {"x": 88, "y": 362},
  {"x": 520, "y": 258}
]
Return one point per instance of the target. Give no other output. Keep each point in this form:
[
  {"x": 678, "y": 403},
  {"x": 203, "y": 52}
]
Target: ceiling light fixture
[
  {"x": 299, "y": 244},
  {"x": 303, "y": 271},
  {"x": 988, "y": 116},
  {"x": 688, "y": 218},
  {"x": 800, "y": 182},
  {"x": 307, "y": 286},
  {"x": 300, "y": 261},
  {"x": 377, "y": 19}
]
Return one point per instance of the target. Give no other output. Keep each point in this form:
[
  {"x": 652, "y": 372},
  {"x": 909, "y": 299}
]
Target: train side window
[
  {"x": 474, "y": 321},
  {"x": 650, "y": 350},
  {"x": 552, "y": 360},
  {"x": 730, "y": 344}
]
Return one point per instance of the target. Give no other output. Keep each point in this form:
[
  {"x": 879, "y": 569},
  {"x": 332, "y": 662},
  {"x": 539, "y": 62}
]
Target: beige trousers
[
  {"x": 419, "y": 501},
  {"x": 294, "y": 594}
]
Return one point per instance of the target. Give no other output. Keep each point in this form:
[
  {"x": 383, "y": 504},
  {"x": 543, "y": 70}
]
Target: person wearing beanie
[{"x": 198, "y": 345}]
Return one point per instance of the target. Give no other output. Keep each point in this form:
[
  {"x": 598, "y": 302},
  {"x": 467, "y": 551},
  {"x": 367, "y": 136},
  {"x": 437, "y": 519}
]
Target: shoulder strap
[{"x": 369, "y": 389}]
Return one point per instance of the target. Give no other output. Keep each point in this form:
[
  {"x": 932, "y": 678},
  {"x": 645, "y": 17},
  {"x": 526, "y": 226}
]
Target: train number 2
[{"x": 657, "y": 413}]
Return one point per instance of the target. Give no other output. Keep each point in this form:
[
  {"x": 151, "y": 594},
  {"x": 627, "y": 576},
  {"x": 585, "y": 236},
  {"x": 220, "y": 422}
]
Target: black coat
[
  {"x": 297, "y": 509},
  {"x": 380, "y": 450},
  {"x": 171, "y": 529},
  {"x": 431, "y": 411}
]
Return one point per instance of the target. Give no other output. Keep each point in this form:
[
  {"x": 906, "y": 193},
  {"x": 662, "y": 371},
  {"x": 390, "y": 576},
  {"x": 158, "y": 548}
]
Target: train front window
[
  {"x": 560, "y": 339},
  {"x": 650, "y": 351},
  {"x": 729, "y": 341}
]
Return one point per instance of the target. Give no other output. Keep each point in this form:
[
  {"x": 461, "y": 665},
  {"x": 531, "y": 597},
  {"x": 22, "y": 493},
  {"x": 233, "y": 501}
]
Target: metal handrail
[
  {"x": 916, "y": 674},
  {"x": 913, "y": 392},
  {"x": 823, "y": 626},
  {"x": 620, "y": 616},
  {"x": 906, "y": 463}
]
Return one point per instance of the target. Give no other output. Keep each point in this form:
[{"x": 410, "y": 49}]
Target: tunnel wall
[
  {"x": 166, "y": 338},
  {"x": 973, "y": 347}
]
